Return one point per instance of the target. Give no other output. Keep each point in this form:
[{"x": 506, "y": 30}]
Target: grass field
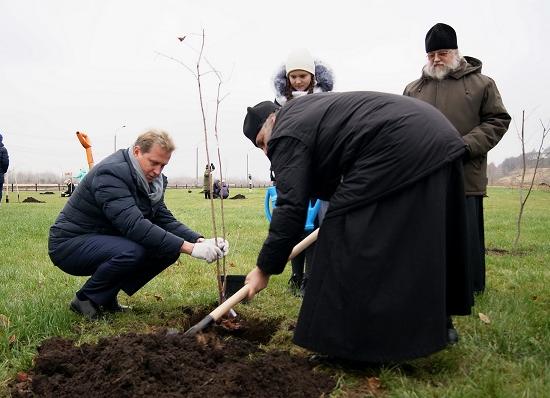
[{"x": 506, "y": 354}]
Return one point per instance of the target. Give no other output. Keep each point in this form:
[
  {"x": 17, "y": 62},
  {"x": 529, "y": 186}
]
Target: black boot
[
  {"x": 114, "y": 306},
  {"x": 86, "y": 308},
  {"x": 452, "y": 334},
  {"x": 294, "y": 284}
]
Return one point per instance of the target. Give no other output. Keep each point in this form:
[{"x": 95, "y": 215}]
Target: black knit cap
[
  {"x": 440, "y": 37},
  {"x": 256, "y": 117}
]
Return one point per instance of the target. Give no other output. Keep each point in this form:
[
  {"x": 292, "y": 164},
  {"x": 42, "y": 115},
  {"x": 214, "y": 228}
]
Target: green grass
[{"x": 508, "y": 357}]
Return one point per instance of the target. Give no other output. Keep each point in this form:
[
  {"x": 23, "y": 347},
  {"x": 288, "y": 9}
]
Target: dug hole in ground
[{"x": 226, "y": 360}]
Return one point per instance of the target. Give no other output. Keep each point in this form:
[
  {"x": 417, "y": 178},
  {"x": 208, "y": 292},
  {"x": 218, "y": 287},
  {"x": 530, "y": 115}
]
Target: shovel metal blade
[{"x": 199, "y": 327}]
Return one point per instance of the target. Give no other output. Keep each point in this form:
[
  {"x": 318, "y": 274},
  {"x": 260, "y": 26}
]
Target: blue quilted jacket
[{"x": 109, "y": 201}]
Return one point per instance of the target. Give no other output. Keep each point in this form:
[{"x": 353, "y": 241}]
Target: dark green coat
[{"x": 472, "y": 103}]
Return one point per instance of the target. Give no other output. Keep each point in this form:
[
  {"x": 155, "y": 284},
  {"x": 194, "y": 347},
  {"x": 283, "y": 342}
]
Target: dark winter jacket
[
  {"x": 388, "y": 265},
  {"x": 109, "y": 201},
  {"x": 380, "y": 143},
  {"x": 472, "y": 103},
  {"x": 324, "y": 81},
  {"x": 4, "y": 161}
]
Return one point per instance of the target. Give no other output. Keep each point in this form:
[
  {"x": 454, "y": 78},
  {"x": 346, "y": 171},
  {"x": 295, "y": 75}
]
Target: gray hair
[{"x": 155, "y": 136}]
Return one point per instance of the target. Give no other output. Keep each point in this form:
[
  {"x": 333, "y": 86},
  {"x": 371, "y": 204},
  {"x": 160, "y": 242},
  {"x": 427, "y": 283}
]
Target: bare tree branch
[
  {"x": 523, "y": 200},
  {"x": 178, "y": 61},
  {"x": 198, "y": 74}
]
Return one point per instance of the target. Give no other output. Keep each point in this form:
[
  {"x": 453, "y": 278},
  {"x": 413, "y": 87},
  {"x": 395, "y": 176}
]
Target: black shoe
[
  {"x": 114, "y": 307},
  {"x": 85, "y": 307},
  {"x": 452, "y": 334},
  {"x": 318, "y": 359}
]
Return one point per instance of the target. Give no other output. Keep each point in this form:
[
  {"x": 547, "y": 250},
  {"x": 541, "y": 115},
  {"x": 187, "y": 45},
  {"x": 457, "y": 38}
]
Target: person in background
[
  {"x": 207, "y": 180},
  {"x": 302, "y": 75},
  {"x": 216, "y": 188},
  {"x": 117, "y": 229},
  {"x": 471, "y": 101},
  {"x": 70, "y": 188},
  {"x": 80, "y": 175},
  {"x": 4, "y": 164},
  {"x": 389, "y": 262},
  {"x": 224, "y": 190}
]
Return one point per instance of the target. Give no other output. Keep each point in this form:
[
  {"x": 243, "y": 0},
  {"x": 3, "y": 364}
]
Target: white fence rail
[{"x": 63, "y": 187}]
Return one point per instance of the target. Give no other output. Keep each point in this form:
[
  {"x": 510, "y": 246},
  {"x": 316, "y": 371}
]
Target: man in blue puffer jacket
[{"x": 117, "y": 228}]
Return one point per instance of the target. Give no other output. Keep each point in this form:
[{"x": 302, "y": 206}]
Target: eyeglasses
[{"x": 439, "y": 53}]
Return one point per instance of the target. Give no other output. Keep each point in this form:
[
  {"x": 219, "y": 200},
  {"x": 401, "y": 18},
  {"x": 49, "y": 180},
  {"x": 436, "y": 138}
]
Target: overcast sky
[{"x": 94, "y": 66}]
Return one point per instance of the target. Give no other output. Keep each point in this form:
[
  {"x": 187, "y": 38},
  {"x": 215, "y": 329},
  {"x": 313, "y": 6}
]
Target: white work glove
[
  {"x": 222, "y": 244},
  {"x": 206, "y": 251}
]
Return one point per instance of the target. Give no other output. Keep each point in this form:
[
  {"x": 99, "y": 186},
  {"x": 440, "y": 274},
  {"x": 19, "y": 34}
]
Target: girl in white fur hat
[{"x": 301, "y": 75}]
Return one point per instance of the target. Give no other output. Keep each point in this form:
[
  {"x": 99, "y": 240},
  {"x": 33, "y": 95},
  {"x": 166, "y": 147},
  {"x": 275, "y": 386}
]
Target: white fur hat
[{"x": 300, "y": 59}]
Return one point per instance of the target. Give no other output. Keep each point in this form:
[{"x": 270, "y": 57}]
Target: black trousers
[
  {"x": 114, "y": 263},
  {"x": 301, "y": 264},
  {"x": 475, "y": 244}
]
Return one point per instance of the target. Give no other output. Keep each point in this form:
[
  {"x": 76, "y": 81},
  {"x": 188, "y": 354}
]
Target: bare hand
[{"x": 256, "y": 280}]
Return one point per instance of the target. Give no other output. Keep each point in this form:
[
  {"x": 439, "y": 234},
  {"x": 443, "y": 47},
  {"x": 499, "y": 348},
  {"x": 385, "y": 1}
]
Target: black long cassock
[{"x": 389, "y": 264}]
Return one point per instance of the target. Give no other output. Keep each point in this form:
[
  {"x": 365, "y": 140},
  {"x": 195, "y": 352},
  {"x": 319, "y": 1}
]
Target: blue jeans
[{"x": 114, "y": 263}]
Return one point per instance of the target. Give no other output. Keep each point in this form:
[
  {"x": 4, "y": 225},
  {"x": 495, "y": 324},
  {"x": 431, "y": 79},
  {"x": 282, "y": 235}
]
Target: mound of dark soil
[
  {"x": 238, "y": 196},
  {"x": 173, "y": 365},
  {"x": 30, "y": 199}
]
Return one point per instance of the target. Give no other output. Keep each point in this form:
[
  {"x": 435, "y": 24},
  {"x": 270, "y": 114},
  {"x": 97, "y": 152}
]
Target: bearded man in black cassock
[{"x": 389, "y": 264}]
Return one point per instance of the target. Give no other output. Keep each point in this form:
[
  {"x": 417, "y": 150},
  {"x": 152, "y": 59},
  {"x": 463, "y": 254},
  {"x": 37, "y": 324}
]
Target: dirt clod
[
  {"x": 30, "y": 199},
  {"x": 172, "y": 365}
]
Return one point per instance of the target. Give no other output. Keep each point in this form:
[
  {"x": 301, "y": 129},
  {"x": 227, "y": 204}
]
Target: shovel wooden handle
[
  {"x": 304, "y": 244},
  {"x": 224, "y": 307},
  {"x": 242, "y": 293}
]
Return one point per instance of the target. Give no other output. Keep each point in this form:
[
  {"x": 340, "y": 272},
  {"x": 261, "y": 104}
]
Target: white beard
[{"x": 440, "y": 72}]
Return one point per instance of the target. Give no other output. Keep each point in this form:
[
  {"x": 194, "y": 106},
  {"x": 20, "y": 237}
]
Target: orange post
[{"x": 85, "y": 141}]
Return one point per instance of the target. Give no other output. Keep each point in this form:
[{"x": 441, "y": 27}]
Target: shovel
[{"x": 242, "y": 293}]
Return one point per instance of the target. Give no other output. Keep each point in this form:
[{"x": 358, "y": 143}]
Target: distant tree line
[
  {"x": 494, "y": 172},
  {"x": 28, "y": 177},
  {"x": 512, "y": 164},
  {"x": 515, "y": 163}
]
